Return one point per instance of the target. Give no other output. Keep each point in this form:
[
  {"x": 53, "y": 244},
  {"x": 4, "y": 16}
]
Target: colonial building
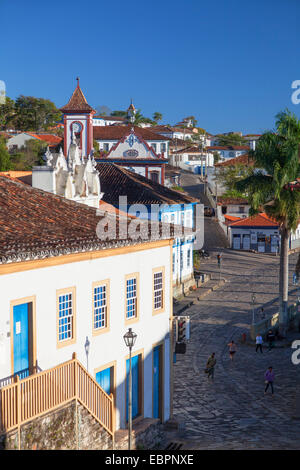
[
  {"x": 67, "y": 286},
  {"x": 135, "y": 148},
  {"x": 259, "y": 233},
  {"x": 149, "y": 200}
]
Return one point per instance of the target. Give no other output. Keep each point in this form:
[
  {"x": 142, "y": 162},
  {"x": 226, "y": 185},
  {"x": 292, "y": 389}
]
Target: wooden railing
[
  {"x": 45, "y": 391},
  {"x": 22, "y": 374}
]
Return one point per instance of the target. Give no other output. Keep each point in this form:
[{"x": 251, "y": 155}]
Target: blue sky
[{"x": 230, "y": 63}]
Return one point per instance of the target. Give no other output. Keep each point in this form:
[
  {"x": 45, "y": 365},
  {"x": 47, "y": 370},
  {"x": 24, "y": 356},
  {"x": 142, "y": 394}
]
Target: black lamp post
[{"x": 129, "y": 339}]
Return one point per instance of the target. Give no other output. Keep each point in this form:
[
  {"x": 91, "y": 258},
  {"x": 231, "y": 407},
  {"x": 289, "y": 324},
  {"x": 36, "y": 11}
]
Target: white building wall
[{"x": 104, "y": 348}]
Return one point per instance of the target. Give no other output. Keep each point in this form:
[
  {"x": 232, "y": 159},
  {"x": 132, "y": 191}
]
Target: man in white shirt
[{"x": 259, "y": 341}]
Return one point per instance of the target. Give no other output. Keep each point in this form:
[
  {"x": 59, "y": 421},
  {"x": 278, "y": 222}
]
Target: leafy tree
[
  {"x": 103, "y": 110},
  {"x": 28, "y": 156},
  {"x": 217, "y": 157},
  {"x": 192, "y": 119},
  {"x": 35, "y": 114},
  {"x": 119, "y": 113},
  {"x": 228, "y": 176},
  {"x": 157, "y": 117},
  {"x": 7, "y": 113},
  {"x": 5, "y": 163},
  {"x": 277, "y": 162},
  {"x": 231, "y": 139},
  {"x": 140, "y": 119}
]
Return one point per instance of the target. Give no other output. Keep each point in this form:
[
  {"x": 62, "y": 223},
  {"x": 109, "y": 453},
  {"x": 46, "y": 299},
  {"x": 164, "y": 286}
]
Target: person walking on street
[
  {"x": 259, "y": 341},
  {"x": 210, "y": 366},
  {"x": 270, "y": 338},
  {"x": 232, "y": 349},
  {"x": 269, "y": 379}
]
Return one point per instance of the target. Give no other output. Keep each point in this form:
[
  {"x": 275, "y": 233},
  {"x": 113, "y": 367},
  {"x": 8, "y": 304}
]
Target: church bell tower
[{"x": 78, "y": 123}]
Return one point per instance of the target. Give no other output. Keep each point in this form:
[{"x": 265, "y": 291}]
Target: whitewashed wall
[{"x": 106, "y": 347}]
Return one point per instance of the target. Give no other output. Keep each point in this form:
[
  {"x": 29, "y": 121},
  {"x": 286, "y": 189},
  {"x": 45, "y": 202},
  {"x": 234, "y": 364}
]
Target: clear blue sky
[{"x": 230, "y": 63}]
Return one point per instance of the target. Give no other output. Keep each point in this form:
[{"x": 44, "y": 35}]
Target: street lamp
[
  {"x": 253, "y": 302},
  {"x": 130, "y": 338}
]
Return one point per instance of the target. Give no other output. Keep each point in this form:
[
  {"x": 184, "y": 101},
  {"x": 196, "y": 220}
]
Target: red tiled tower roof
[{"x": 77, "y": 102}]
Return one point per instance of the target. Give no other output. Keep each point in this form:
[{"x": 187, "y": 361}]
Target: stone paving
[{"x": 232, "y": 412}]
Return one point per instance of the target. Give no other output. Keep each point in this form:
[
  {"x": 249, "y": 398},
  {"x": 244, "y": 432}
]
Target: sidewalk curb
[{"x": 201, "y": 296}]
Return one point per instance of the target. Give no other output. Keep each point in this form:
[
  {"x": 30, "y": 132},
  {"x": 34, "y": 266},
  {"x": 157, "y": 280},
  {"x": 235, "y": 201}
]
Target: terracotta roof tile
[
  {"x": 191, "y": 149},
  {"x": 259, "y": 220},
  {"x": 35, "y": 224},
  {"x": 117, "y": 181},
  {"x": 241, "y": 159},
  {"x": 228, "y": 147},
  {"x": 224, "y": 200},
  {"x": 117, "y": 132},
  {"x": 51, "y": 139}
]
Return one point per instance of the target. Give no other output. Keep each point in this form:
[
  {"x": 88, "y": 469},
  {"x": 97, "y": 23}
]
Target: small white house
[
  {"x": 228, "y": 152},
  {"x": 17, "y": 141},
  {"x": 108, "y": 120},
  {"x": 192, "y": 159}
]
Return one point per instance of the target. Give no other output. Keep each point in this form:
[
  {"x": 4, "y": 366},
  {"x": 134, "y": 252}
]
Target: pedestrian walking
[
  {"x": 269, "y": 379},
  {"x": 259, "y": 342},
  {"x": 270, "y": 338},
  {"x": 210, "y": 366},
  {"x": 232, "y": 349}
]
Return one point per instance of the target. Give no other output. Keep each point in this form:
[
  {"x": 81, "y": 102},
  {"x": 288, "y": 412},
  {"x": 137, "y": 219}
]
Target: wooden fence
[{"x": 46, "y": 391}]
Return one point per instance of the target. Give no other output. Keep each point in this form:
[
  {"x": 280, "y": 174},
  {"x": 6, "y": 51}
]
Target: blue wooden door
[
  {"x": 156, "y": 382},
  {"x": 20, "y": 340},
  {"x": 135, "y": 386},
  {"x": 103, "y": 378}
]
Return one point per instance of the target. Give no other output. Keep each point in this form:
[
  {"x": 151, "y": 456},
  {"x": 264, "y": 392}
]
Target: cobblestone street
[{"x": 232, "y": 412}]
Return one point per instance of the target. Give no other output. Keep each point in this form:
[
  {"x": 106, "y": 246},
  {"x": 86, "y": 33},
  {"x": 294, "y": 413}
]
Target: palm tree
[
  {"x": 157, "y": 117},
  {"x": 277, "y": 163}
]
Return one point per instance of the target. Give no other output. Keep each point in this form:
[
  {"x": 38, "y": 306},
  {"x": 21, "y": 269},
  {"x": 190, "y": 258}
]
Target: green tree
[
  {"x": 119, "y": 113},
  {"x": 228, "y": 176},
  {"x": 5, "y": 163},
  {"x": 140, "y": 119},
  {"x": 277, "y": 162},
  {"x": 7, "y": 113},
  {"x": 231, "y": 139},
  {"x": 157, "y": 117},
  {"x": 217, "y": 157},
  {"x": 35, "y": 114},
  {"x": 28, "y": 156}
]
